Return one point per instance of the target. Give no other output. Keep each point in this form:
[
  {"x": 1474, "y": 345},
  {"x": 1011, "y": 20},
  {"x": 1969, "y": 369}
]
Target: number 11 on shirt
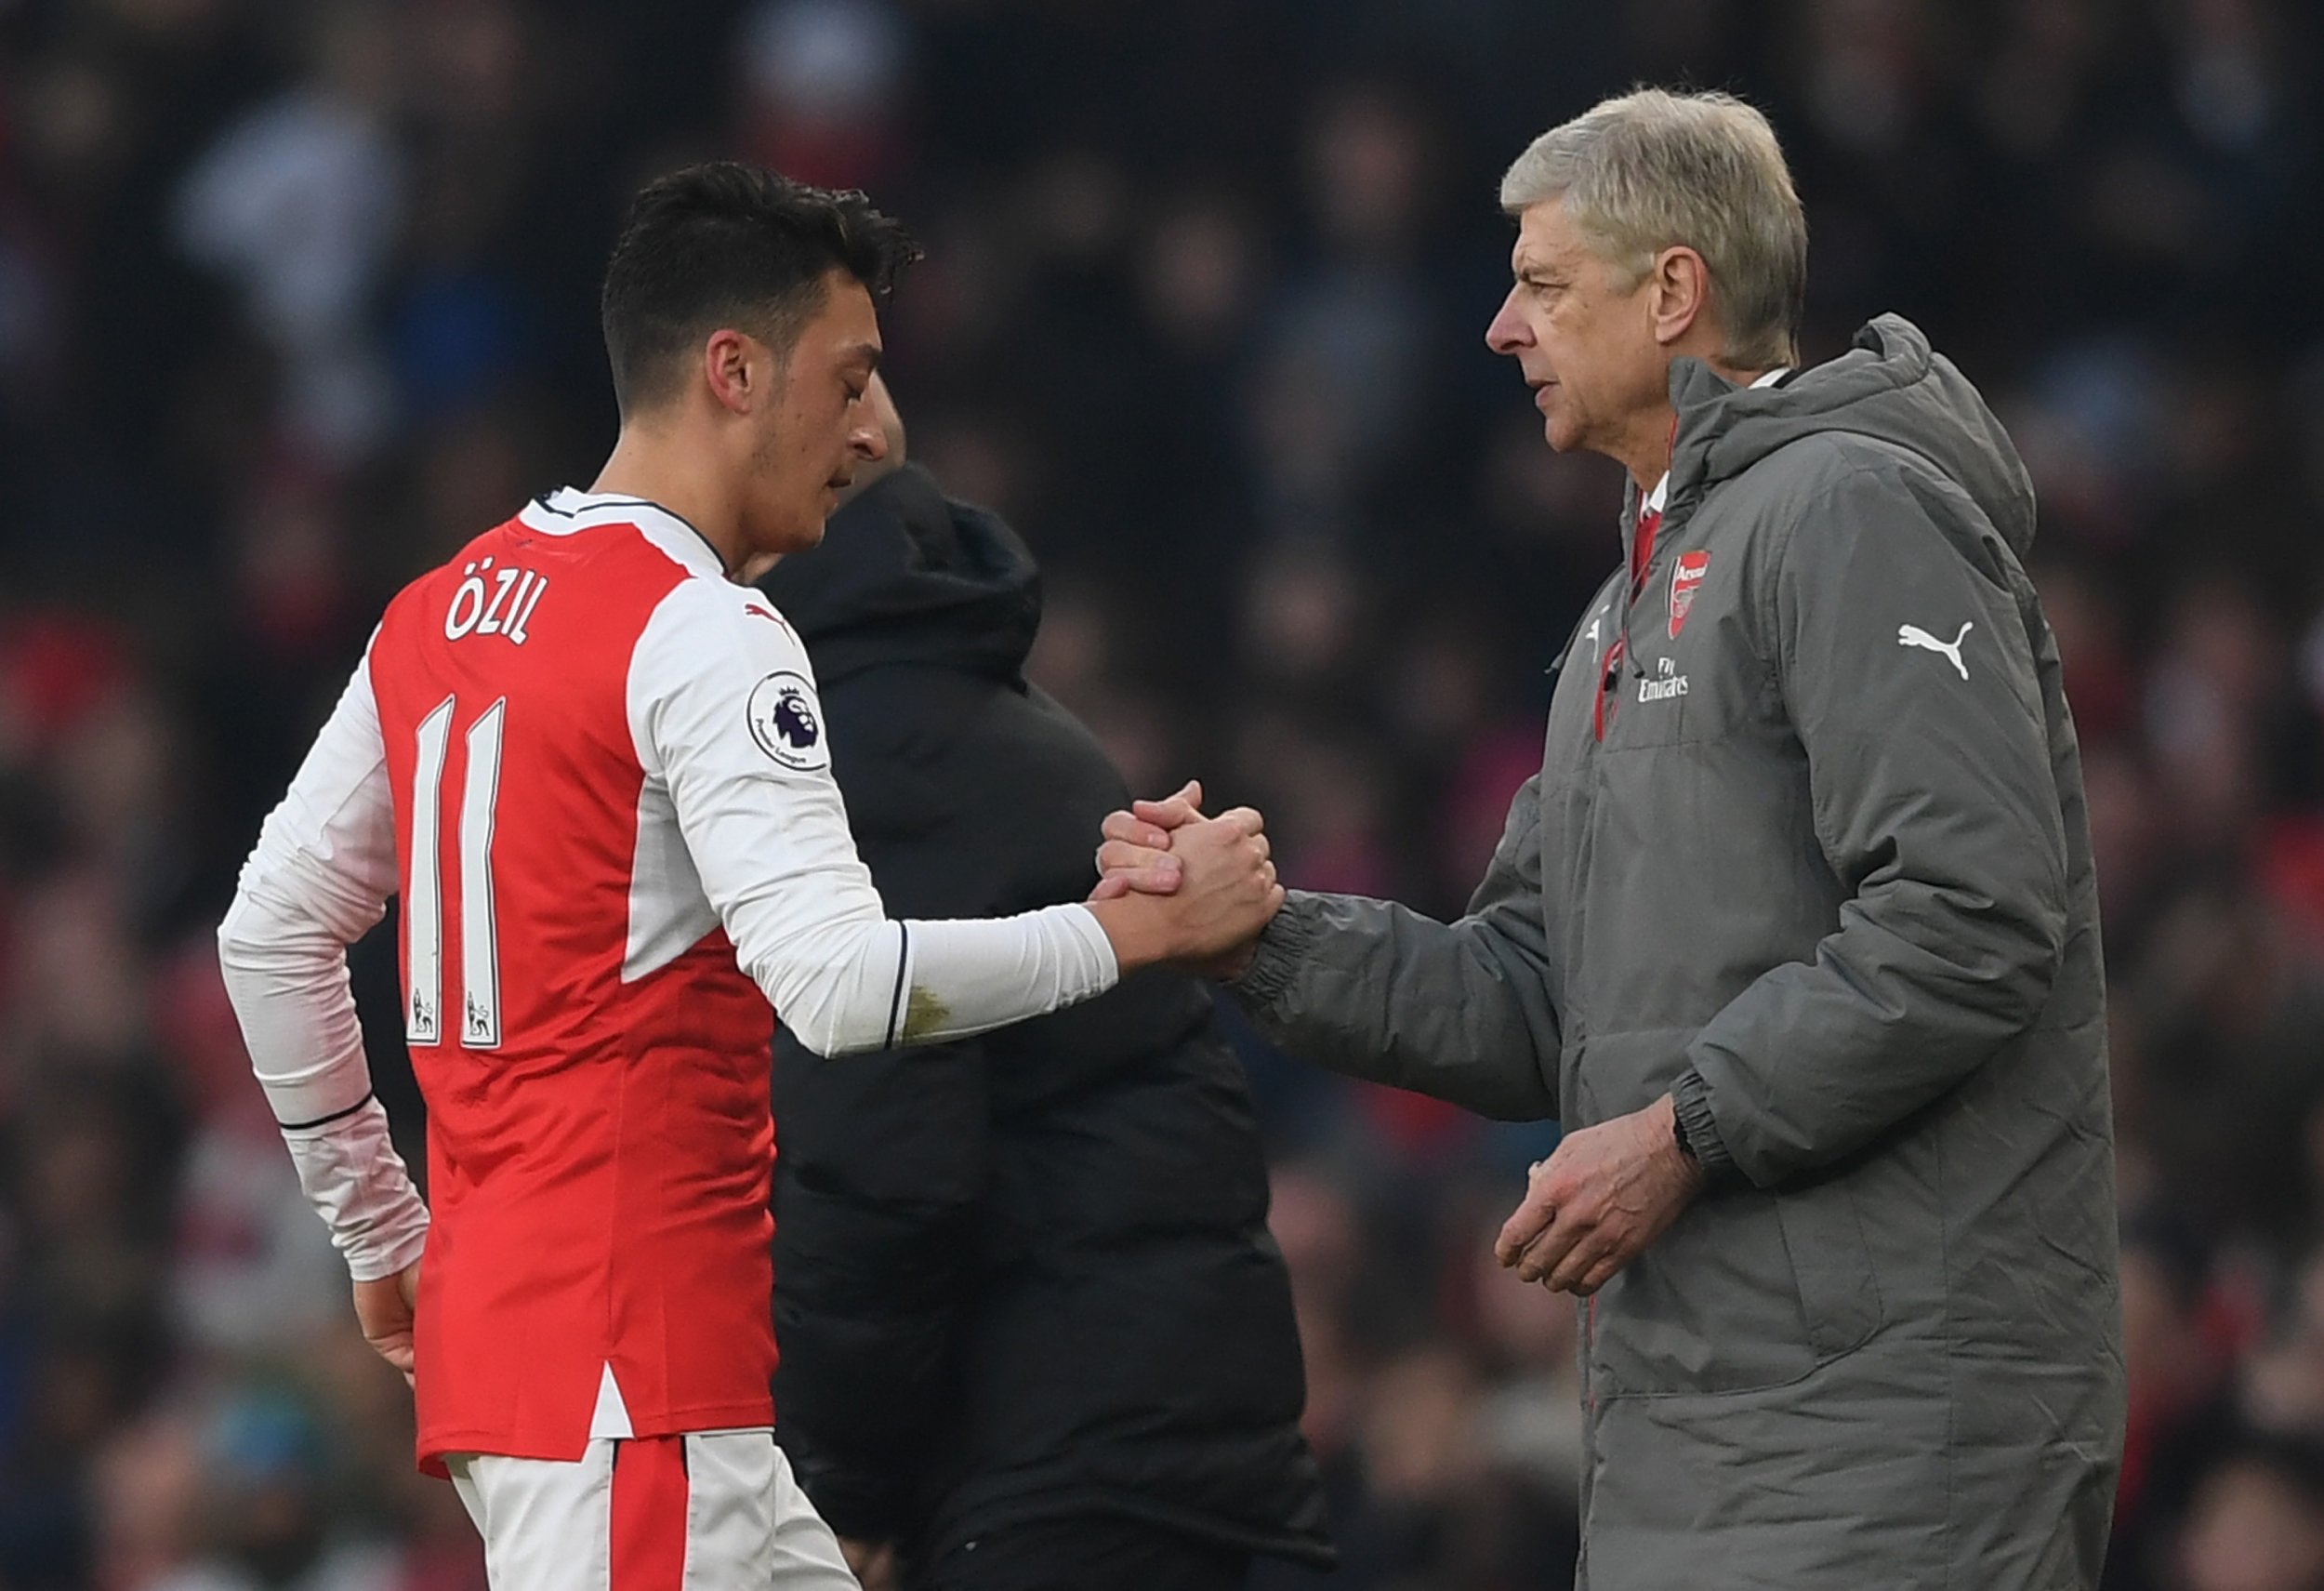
[{"x": 423, "y": 904}]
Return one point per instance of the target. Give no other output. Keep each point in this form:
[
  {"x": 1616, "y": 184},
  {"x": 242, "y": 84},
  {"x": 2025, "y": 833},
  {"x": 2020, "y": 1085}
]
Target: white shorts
[{"x": 715, "y": 1511}]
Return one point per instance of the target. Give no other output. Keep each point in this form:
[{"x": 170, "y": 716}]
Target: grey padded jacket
[{"x": 1826, "y": 879}]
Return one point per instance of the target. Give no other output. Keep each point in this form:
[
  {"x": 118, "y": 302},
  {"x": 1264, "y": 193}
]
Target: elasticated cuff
[
  {"x": 1283, "y": 947},
  {"x": 1690, "y": 1097}
]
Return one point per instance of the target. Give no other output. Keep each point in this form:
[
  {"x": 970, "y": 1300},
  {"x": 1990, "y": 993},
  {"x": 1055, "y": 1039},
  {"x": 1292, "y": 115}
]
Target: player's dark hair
[{"x": 731, "y": 245}]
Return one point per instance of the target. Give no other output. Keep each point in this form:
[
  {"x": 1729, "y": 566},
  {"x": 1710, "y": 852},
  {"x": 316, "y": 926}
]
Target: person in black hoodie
[{"x": 1034, "y": 1331}]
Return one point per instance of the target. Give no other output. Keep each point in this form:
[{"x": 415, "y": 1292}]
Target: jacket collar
[{"x": 1655, "y": 498}]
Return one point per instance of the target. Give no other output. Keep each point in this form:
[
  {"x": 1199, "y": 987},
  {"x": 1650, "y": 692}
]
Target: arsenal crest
[{"x": 1685, "y": 575}]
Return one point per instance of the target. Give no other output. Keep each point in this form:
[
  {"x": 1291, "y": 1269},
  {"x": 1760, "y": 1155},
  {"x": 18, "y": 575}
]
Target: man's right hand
[
  {"x": 384, "y": 1309},
  {"x": 1225, "y": 893},
  {"x": 1139, "y": 855}
]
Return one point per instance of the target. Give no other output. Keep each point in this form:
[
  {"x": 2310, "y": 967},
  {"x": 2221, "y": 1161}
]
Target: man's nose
[
  {"x": 1508, "y": 332},
  {"x": 868, "y": 440}
]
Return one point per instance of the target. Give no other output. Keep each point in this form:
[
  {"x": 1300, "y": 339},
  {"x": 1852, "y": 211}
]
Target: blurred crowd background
[{"x": 297, "y": 294}]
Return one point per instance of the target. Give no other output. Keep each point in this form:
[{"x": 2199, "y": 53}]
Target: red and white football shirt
[
  {"x": 598, "y": 1140},
  {"x": 596, "y": 772}
]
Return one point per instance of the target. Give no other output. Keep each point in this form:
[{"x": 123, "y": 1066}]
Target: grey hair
[{"x": 1651, "y": 170}]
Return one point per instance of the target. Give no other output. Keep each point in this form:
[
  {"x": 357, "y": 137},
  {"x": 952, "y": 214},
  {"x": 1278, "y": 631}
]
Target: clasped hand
[{"x": 1176, "y": 886}]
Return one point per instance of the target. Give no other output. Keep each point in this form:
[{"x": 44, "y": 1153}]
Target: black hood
[{"x": 905, "y": 574}]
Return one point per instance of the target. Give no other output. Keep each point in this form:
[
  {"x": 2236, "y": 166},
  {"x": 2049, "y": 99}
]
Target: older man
[{"x": 1796, "y": 930}]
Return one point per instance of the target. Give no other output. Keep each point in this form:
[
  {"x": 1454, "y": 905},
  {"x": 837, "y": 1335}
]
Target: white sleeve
[
  {"x": 318, "y": 880},
  {"x": 723, "y": 710}
]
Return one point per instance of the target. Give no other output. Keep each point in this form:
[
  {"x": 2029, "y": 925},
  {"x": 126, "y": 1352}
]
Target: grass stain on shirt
[{"x": 925, "y": 1012}]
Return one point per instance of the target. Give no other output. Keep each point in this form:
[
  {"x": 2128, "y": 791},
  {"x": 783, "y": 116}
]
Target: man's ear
[
  {"x": 1678, "y": 293},
  {"x": 732, "y": 370}
]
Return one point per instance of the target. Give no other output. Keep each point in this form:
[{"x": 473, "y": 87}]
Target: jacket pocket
[
  {"x": 1831, "y": 1265},
  {"x": 1748, "y": 1290}
]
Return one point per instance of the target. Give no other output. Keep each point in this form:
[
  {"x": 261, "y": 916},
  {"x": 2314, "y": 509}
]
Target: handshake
[{"x": 1176, "y": 886}]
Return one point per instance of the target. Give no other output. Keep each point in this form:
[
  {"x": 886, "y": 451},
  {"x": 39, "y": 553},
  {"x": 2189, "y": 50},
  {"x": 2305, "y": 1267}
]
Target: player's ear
[{"x": 733, "y": 370}]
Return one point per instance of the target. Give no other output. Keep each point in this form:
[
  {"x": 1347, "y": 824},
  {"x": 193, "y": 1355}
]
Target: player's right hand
[
  {"x": 1227, "y": 892},
  {"x": 384, "y": 1309},
  {"x": 1148, "y": 851}
]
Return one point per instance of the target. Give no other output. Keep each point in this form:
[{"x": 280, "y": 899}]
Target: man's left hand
[{"x": 1594, "y": 1204}]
